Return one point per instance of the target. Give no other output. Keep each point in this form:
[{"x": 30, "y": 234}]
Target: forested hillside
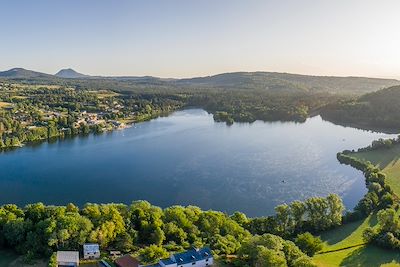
[
  {"x": 378, "y": 110},
  {"x": 286, "y": 82}
]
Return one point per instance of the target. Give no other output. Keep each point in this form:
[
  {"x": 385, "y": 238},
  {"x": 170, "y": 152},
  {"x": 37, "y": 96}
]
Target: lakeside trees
[
  {"x": 379, "y": 195},
  {"x": 315, "y": 215},
  {"x": 380, "y": 198},
  {"x": 150, "y": 231}
]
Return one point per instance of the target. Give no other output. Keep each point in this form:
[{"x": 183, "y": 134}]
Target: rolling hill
[
  {"x": 266, "y": 81},
  {"x": 377, "y": 111}
]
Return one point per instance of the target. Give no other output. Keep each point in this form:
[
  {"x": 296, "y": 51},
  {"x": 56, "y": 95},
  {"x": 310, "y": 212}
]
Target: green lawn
[
  {"x": 388, "y": 160},
  {"x": 344, "y": 247}
]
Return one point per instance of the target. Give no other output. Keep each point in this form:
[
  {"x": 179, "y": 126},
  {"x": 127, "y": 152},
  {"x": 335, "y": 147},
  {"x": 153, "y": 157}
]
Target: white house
[
  {"x": 193, "y": 257},
  {"x": 91, "y": 251},
  {"x": 67, "y": 258}
]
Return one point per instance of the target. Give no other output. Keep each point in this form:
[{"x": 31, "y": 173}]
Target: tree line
[{"x": 146, "y": 230}]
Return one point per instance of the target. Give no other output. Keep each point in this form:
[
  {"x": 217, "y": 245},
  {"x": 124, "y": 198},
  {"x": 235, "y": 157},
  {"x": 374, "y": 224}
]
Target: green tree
[{"x": 308, "y": 243}]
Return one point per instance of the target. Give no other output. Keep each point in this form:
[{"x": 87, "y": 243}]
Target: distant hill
[
  {"x": 70, "y": 74},
  {"x": 274, "y": 81},
  {"x": 374, "y": 111},
  {"x": 20, "y": 73}
]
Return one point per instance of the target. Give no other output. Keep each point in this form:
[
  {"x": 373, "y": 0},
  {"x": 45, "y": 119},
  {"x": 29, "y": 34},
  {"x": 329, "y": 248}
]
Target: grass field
[
  {"x": 389, "y": 161},
  {"x": 344, "y": 247}
]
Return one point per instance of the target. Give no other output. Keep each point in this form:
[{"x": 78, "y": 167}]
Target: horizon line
[{"x": 209, "y": 75}]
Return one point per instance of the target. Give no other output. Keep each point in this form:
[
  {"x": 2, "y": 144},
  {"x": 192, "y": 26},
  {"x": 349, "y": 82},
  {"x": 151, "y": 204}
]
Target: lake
[{"x": 188, "y": 159}]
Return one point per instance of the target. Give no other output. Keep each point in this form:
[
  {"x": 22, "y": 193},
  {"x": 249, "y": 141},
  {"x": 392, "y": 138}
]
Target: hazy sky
[{"x": 183, "y": 38}]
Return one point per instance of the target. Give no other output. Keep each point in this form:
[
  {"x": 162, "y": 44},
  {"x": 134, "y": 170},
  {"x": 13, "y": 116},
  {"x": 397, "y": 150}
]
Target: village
[
  {"x": 91, "y": 254},
  {"x": 41, "y": 112}
]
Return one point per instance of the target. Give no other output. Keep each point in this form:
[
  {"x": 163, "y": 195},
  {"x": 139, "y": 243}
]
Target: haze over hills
[{"x": 269, "y": 81}]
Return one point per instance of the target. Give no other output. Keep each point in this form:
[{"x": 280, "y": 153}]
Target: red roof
[{"x": 127, "y": 261}]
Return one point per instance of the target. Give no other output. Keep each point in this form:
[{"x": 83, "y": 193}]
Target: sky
[{"x": 186, "y": 38}]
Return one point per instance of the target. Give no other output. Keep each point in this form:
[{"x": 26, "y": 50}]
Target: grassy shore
[
  {"x": 344, "y": 246},
  {"x": 388, "y": 161}
]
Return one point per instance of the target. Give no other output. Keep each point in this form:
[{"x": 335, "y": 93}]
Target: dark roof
[
  {"x": 154, "y": 265},
  {"x": 127, "y": 261},
  {"x": 192, "y": 255},
  {"x": 205, "y": 252}
]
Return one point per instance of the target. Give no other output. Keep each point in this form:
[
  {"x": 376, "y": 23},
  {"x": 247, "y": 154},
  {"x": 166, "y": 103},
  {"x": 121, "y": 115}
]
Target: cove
[{"x": 188, "y": 159}]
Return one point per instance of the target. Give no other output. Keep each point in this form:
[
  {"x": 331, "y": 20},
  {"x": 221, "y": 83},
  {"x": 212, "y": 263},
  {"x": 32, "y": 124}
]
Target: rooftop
[
  {"x": 192, "y": 255},
  {"x": 67, "y": 256},
  {"x": 127, "y": 261},
  {"x": 91, "y": 248}
]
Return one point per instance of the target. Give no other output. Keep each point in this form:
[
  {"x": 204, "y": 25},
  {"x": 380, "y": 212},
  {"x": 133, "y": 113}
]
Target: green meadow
[
  {"x": 388, "y": 161},
  {"x": 344, "y": 246}
]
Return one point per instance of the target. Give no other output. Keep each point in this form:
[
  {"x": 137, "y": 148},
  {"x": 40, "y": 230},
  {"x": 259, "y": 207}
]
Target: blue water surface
[{"x": 188, "y": 159}]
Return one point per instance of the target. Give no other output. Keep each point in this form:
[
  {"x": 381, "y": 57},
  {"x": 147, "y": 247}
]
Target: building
[
  {"x": 91, "y": 251},
  {"x": 67, "y": 258},
  {"x": 193, "y": 257},
  {"x": 127, "y": 261}
]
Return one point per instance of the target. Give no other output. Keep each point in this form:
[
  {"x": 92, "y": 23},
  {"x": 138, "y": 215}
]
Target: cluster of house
[
  {"x": 94, "y": 119},
  {"x": 88, "y": 118},
  {"x": 193, "y": 257}
]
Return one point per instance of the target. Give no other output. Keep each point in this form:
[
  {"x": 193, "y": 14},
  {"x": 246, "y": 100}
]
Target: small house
[
  {"x": 91, "y": 251},
  {"x": 67, "y": 258}
]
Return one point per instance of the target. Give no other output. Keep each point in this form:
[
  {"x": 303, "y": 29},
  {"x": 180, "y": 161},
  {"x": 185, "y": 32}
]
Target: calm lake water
[{"x": 188, "y": 159}]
